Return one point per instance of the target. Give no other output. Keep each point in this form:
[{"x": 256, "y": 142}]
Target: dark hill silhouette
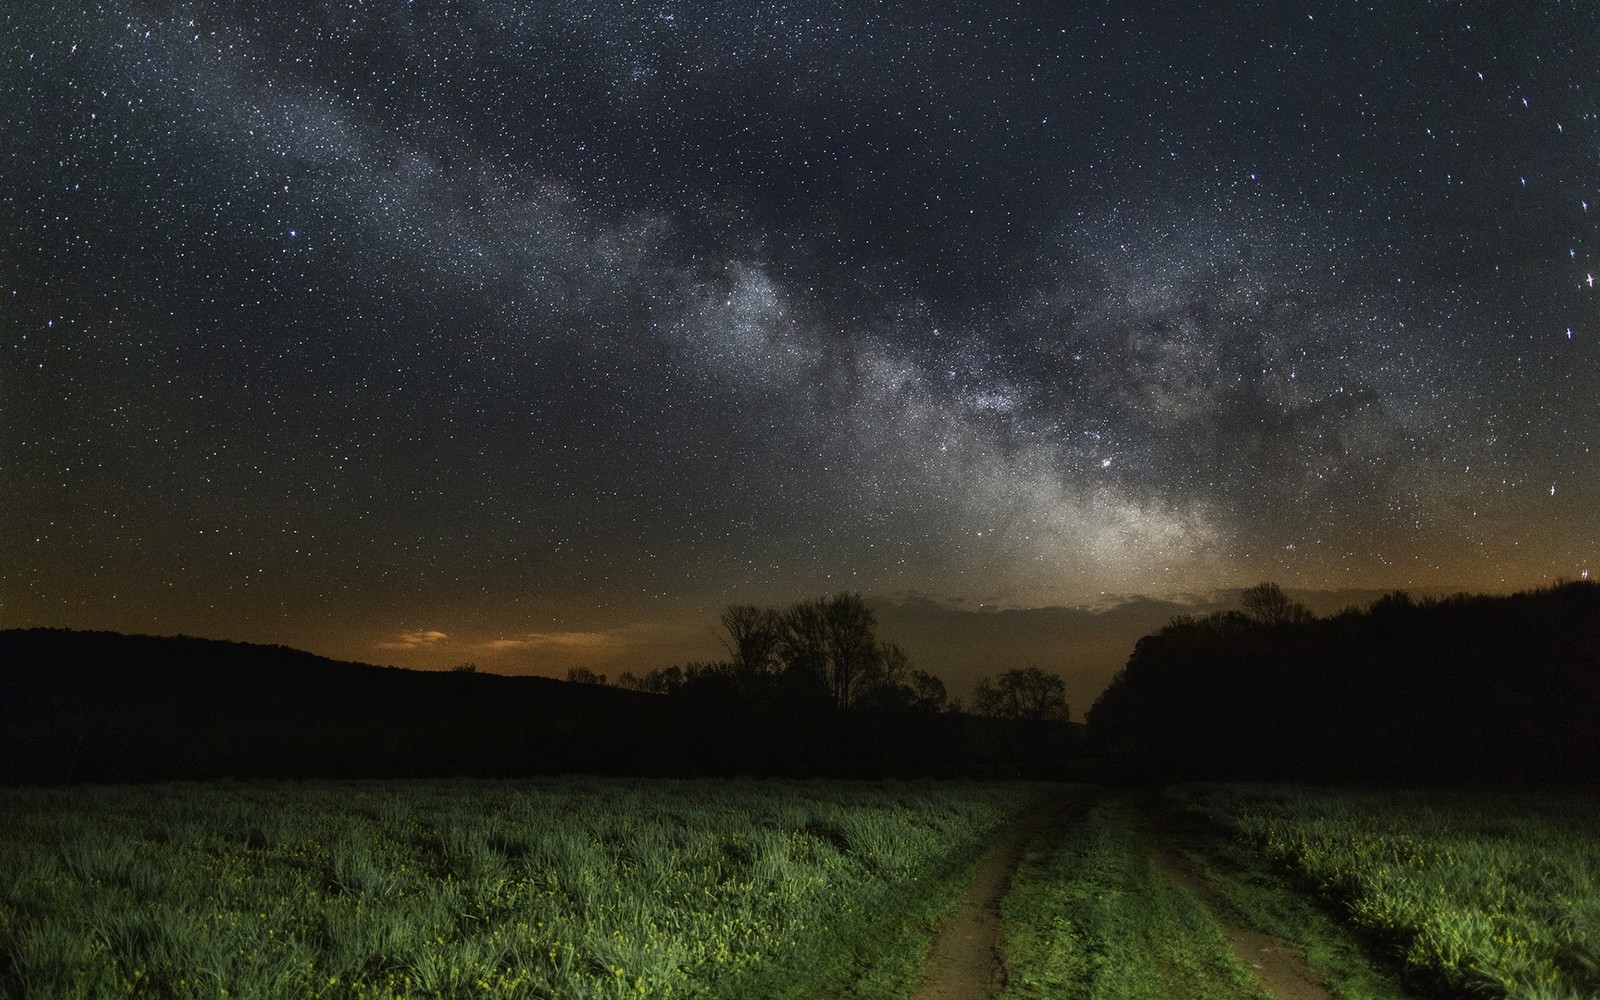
[
  {"x": 1468, "y": 690},
  {"x": 101, "y": 706},
  {"x": 106, "y": 707}
]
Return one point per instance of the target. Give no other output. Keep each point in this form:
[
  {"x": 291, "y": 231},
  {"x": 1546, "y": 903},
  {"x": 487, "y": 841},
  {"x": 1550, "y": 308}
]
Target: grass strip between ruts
[{"x": 1090, "y": 916}]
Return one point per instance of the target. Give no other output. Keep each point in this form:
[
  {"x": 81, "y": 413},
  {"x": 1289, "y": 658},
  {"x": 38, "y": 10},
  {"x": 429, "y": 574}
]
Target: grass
[
  {"x": 1090, "y": 916},
  {"x": 1249, "y": 889},
  {"x": 715, "y": 889},
  {"x": 1494, "y": 896},
  {"x": 568, "y": 888}
]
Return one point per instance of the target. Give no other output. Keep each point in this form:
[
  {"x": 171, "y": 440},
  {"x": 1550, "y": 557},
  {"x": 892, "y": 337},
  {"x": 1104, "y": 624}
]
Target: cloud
[
  {"x": 562, "y": 642},
  {"x": 415, "y": 640}
]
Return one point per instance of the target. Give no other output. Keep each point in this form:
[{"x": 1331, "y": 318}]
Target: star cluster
[{"x": 368, "y": 321}]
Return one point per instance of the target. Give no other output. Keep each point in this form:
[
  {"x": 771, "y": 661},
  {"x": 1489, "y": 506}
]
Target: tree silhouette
[
  {"x": 803, "y": 646},
  {"x": 928, "y": 692},
  {"x": 754, "y": 637},
  {"x": 662, "y": 680},
  {"x": 1487, "y": 689},
  {"x": 893, "y": 666},
  {"x": 1268, "y": 604},
  {"x": 1029, "y": 693},
  {"x": 852, "y": 648}
]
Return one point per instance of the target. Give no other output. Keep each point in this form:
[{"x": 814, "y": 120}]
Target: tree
[
  {"x": 583, "y": 675},
  {"x": 851, "y": 645},
  {"x": 928, "y": 692},
  {"x": 662, "y": 680},
  {"x": 1267, "y": 604},
  {"x": 1029, "y": 693},
  {"x": 803, "y": 646},
  {"x": 893, "y": 665},
  {"x": 754, "y": 636}
]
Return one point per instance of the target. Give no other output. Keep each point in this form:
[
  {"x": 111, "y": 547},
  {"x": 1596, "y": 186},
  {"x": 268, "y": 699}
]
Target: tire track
[
  {"x": 966, "y": 962},
  {"x": 1279, "y": 966}
]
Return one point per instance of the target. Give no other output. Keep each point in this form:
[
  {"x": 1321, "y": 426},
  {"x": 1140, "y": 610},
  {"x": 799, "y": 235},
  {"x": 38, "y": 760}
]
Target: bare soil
[
  {"x": 966, "y": 961},
  {"x": 1280, "y": 967}
]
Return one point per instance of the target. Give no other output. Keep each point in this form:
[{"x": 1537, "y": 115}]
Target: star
[{"x": 616, "y": 317}]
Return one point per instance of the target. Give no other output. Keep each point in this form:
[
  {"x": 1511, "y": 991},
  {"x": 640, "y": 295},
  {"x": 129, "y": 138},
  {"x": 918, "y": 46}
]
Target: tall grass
[
  {"x": 564, "y": 888},
  {"x": 1497, "y": 895}
]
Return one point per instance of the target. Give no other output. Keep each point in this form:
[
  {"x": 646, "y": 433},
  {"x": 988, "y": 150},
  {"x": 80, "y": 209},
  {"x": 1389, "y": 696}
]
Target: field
[
  {"x": 568, "y": 888},
  {"x": 1468, "y": 894},
  {"x": 579, "y": 888}
]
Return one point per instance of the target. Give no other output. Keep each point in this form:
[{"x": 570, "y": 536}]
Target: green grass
[
  {"x": 1249, "y": 889},
  {"x": 567, "y": 888},
  {"x": 1496, "y": 896},
  {"x": 1091, "y": 917}
]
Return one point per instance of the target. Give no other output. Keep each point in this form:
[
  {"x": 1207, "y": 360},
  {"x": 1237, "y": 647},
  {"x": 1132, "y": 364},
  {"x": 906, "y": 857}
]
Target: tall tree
[
  {"x": 804, "y": 643},
  {"x": 851, "y": 644},
  {"x": 754, "y": 635}
]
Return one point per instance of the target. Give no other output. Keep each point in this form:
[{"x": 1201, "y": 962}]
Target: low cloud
[
  {"x": 633, "y": 646},
  {"x": 563, "y": 642},
  {"x": 415, "y": 640}
]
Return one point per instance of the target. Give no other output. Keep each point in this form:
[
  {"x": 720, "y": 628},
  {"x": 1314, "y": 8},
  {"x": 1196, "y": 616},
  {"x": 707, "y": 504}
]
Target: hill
[
  {"x": 106, "y": 707},
  {"x": 102, "y": 706}
]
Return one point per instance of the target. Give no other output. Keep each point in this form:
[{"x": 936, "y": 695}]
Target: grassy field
[
  {"x": 570, "y": 888},
  {"x": 1486, "y": 895},
  {"x": 579, "y": 888}
]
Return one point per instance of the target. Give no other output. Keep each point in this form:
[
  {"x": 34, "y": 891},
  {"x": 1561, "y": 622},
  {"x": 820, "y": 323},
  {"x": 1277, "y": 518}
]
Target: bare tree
[
  {"x": 1268, "y": 604},
  {"x": 754, "y": 636},
  {"x": 583, "y": 675},
  {"x": 804, "y": 643},
  {"x": 1030, "y": 693},
  {"x": 893, "y": 666},
  {"x": 851, "y": 645}
]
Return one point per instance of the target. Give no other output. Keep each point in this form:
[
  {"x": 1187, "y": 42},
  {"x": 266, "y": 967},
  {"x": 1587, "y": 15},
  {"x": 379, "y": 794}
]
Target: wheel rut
[
  {"x": 1279, "y": 967},
  {"x": 966, "y": 962}
]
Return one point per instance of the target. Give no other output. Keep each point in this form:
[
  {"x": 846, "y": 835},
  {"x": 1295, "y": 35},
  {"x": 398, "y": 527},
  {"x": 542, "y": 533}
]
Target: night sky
[{"x": 532, "y": 334}]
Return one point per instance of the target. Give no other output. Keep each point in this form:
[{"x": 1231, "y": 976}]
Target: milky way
[{"x": 420, "y": 320}]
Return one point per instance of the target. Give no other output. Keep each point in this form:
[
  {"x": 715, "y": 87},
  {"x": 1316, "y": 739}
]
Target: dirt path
[
  {"x": 1279, "y": 966},
  {"x": 965, "y": 963}
]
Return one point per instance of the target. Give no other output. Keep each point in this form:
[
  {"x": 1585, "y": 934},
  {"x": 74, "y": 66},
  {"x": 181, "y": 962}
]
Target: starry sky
[{"x": 532, "y": 334}]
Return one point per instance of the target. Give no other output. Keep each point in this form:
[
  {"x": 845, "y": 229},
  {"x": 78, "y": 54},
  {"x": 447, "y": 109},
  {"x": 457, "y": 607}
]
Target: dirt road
[
  {"x": 967, "y": 963},
  {"x": 1279, "y": 967}
]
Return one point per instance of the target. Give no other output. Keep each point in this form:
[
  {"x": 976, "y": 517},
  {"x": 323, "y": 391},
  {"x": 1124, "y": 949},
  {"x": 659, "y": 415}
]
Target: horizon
[
  {"x": 484, "y": 333},
  {"x": 1085, "y": 646}
]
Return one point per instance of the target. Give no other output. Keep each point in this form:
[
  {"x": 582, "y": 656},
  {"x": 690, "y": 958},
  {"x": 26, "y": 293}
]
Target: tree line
[
  {"x": 808, "y": 690},
  {"x": 1470, "y": 688},
  {"x": 826, "y": 649}
]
